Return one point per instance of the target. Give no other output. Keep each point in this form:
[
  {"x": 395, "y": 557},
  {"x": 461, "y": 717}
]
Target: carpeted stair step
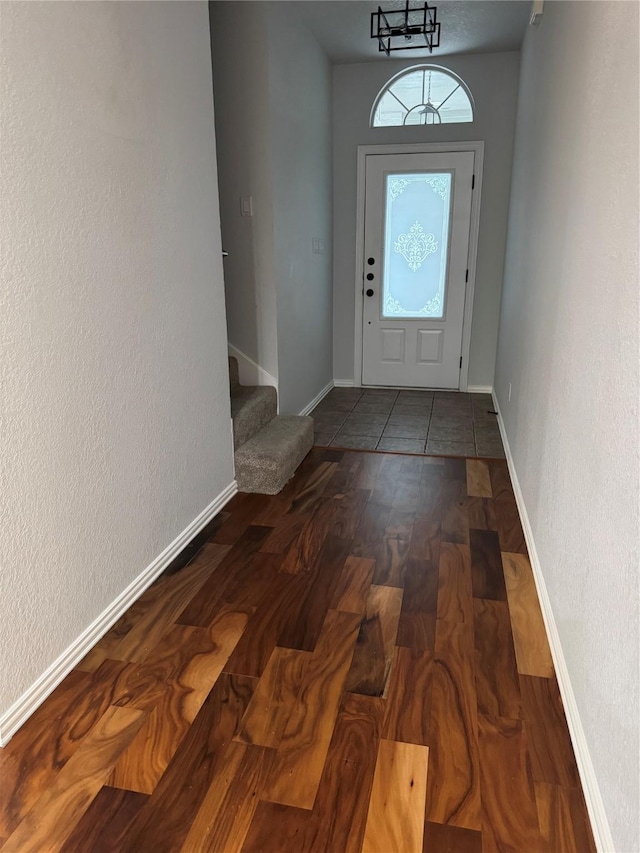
[
  {"x": 234, "y": 372},
  {"x": 266, "y": 462},
  {"x": 252, "y": 407}
]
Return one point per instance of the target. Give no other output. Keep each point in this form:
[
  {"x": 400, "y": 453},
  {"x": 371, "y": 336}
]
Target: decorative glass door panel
[
  {"x": 417, "y": 221},
  {"x": 416, "y": 243}
]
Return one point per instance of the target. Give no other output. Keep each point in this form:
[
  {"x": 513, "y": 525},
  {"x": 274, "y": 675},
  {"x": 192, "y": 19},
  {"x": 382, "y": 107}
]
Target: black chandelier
[{"x": 405, "y": 29}]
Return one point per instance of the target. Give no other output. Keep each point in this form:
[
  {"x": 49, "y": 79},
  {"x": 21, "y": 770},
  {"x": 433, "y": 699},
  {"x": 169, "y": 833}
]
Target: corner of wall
[
  {"x": 591, "y": 789},
  {"x": 317, "y": 399},
  {"x": 27, "y": 704},
  {"x": 250, "y": 372}
]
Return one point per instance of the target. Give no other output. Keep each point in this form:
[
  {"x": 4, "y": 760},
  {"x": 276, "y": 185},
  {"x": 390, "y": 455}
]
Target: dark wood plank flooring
[{"x": 356, "y": 664}]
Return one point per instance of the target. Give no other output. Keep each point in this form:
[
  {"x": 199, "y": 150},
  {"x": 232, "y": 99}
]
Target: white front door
[{"x": 417, "y": 222}]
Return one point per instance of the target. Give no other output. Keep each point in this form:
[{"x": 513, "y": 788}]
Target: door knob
[{"x": 369, "y": 292}]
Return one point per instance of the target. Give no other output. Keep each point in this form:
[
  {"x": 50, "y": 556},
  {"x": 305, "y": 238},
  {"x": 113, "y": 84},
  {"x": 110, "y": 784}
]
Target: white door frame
[{"x": 419, "y": 148}]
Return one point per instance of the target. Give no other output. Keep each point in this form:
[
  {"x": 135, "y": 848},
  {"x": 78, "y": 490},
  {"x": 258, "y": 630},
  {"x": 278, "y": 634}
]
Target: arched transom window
[{"x": 424, "y": 94}]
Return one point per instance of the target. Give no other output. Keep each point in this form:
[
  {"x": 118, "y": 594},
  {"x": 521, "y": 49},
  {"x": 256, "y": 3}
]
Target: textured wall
[
  {"x": 300, "y": 108},
  {"x": 241, "y": 83},
  {"x": 114, "y": 402},
  {"x": 569, "y": 346},
  {"x": 273, "y": 123},
  {"x": 493, "y": 80}
]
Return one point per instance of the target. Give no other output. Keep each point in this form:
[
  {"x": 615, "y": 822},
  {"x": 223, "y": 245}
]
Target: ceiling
[{"x": 342, "y": 27}]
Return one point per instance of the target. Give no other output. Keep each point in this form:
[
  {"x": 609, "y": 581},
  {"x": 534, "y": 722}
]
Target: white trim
[
  {"x": 471, "y": 389},
  {"x": 250, "y": 372},
  {"x": 420, "y": 148},
  {"x": 593, "y": 798},
  {"x": 310, "y": 406},
  {"x": 32, "y": 698}
]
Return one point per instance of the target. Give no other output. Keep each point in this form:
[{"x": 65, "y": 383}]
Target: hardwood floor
[{"x": 356, "y": 664}]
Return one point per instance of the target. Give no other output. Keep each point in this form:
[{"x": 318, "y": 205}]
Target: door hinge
[
  {"x": 467, "y": 276},
  {"x": 460, "y": 362},
  {"x": 473, "y": 182}
]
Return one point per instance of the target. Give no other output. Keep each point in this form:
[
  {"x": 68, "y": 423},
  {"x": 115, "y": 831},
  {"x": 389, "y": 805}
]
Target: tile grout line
[{"x": 386, "y": 423}]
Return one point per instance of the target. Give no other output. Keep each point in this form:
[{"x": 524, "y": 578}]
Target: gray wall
[
  {"x": 493, "y": 81},
  {"x": 273, "y": 123},
  {"x": 115, "y": 391},
  {"x": 243, "y": 121},
  {"x": 569, "y": 347},
  {"x": 300, "y": 107}
]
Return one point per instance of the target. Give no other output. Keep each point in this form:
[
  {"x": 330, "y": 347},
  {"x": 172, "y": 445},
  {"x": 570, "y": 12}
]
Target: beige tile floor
[{"x": 445, "y": 423}]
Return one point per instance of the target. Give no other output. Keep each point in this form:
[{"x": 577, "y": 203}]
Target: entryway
[
  {"x": 418, "y": 210},
  {"x": 398, "y": 420}
]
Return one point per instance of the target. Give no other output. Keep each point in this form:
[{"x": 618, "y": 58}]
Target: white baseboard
[
  {"x": 311, "y": 406},
  {"x": 471, "y": 389},
  {"x": 250, "y": 372},
  {"x": 593, "y": 798},
  {"x": 31, "y": 700}
]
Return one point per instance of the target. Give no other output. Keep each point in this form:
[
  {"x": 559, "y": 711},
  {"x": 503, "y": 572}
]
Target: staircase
[{"x": 268, "y": 447}]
